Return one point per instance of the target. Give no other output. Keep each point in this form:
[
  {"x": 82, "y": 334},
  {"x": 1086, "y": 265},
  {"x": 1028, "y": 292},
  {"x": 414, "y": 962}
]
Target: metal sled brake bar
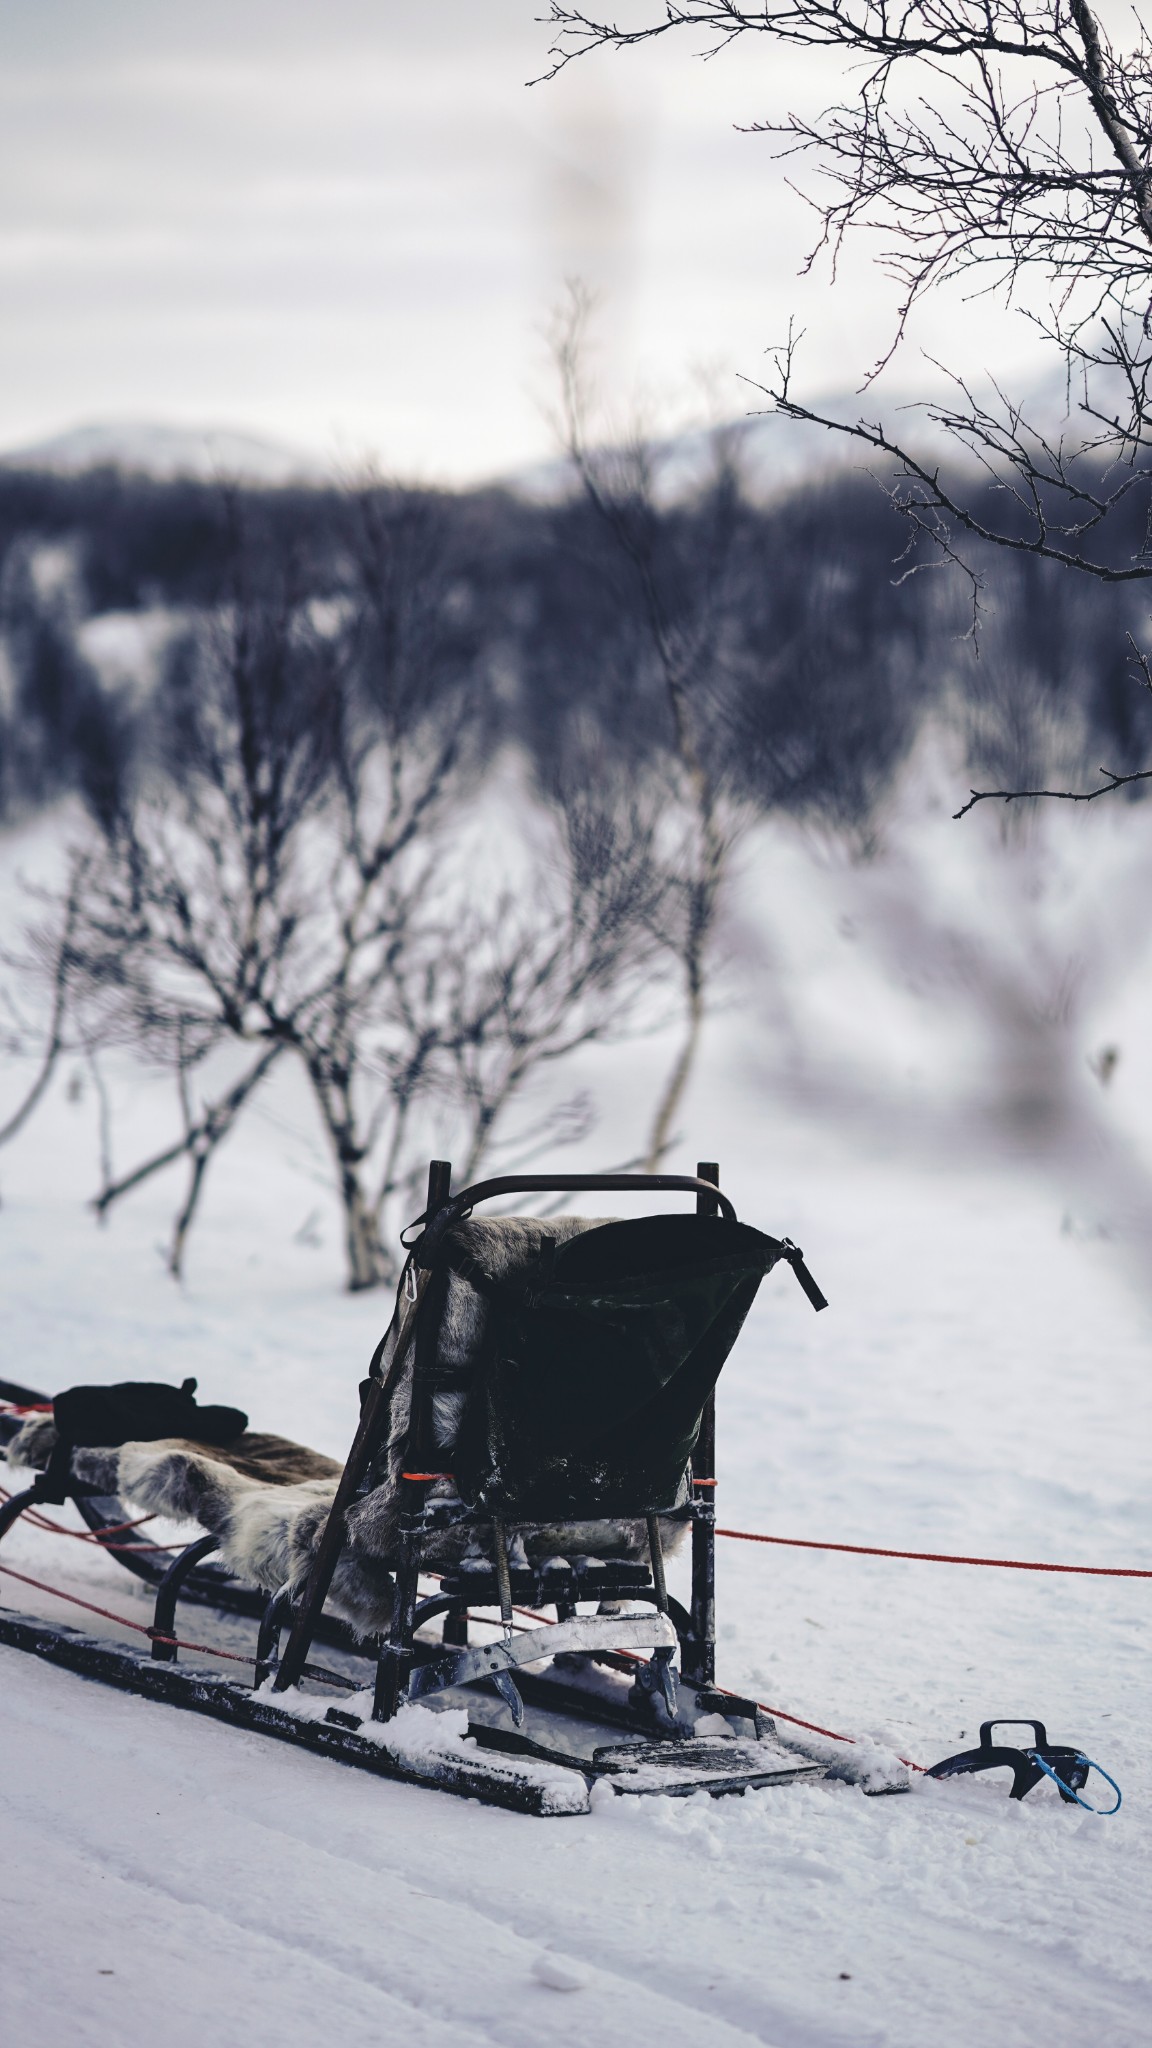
[{"x": 587, "y": 1632}]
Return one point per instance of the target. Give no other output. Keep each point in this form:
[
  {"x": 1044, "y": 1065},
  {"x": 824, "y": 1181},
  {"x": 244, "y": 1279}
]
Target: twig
[{"x": 1067, "y": 796}]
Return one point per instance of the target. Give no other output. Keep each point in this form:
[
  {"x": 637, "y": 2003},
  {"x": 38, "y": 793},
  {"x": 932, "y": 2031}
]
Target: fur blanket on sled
[{"x": 267, "y": 1499}]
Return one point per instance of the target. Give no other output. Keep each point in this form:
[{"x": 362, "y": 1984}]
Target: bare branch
[
  {"x": 201, "y": 1135},
  {"x": 1070, "y": 796},
  {"x": 60, "y": 970}
]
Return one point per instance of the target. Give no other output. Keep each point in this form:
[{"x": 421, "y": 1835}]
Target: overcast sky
[{"x": 343, "y": 223}]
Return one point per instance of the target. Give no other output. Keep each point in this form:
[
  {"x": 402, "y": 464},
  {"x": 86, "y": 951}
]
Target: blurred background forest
[
  {"x": 832, "y": 664},
  {"x": 425, "y": 793}
]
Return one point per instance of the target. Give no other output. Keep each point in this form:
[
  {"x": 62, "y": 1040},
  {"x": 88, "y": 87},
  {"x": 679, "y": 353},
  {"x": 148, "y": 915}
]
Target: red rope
[
  {"x": 84, "y": 1535},
  {"x": 1006, "y": 1564},
  {"x": 156, "y": 1636},
  {"x": 36, "y": 1520},
  {"x": 133, "y": 1549},
  {"x": 777, "y": 1712}
]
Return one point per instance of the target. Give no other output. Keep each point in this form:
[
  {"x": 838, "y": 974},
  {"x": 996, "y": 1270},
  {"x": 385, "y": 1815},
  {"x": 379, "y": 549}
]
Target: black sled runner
[{"x": 485, "y": 1578}]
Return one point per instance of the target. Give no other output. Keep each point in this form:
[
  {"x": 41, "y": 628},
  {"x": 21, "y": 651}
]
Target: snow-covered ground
[{"x": 923, "y": 1121}]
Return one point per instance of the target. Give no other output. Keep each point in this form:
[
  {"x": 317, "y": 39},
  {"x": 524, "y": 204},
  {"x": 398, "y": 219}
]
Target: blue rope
[{"x": 1067, "y": 1789}]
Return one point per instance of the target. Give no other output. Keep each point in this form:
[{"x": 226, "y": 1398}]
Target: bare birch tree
[{"x": 290, "y": 879}]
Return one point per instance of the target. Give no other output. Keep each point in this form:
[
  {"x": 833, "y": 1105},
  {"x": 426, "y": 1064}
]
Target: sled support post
[
  {"x": 700, "y": 1652},
  {"x": 11, "y": 1510},
  {"x": 277, "y": 1610},
  {"x": 456, "y": 1629},
  {"x": 395, "y": 1663},
  {"x": 168, "y": 1592}
]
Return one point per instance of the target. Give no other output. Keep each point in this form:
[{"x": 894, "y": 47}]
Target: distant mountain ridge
[
  {"x": 778, "y": 454},
  {"x": 149, "y": 448}
]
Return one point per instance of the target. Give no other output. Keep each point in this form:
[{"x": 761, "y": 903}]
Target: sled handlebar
[{"x": 459, "y": 1206}]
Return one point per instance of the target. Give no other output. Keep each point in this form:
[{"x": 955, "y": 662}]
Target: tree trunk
[
  {"x": 368, "y": 1264},
  {"x": 705, "y": 898},
  {"x": 661, "y": 1135}
]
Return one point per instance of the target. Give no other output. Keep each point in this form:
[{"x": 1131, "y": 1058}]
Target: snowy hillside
[{"x": 905, "y": 1074}]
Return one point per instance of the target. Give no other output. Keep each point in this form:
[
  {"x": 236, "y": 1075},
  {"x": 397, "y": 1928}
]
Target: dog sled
[{"x": 478, "y": 1601}]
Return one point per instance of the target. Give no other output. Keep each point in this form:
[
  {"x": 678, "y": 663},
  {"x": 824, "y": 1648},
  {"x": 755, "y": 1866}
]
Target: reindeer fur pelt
[{"x": 267, "y": 1499}]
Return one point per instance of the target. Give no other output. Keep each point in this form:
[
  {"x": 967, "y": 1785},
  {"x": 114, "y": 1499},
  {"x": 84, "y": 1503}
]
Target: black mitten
[{"x": 140, "y": 1411}]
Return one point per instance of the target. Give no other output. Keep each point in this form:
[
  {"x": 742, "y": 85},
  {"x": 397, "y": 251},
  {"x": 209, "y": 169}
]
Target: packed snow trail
[{"x": 235, "y": 1892}]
